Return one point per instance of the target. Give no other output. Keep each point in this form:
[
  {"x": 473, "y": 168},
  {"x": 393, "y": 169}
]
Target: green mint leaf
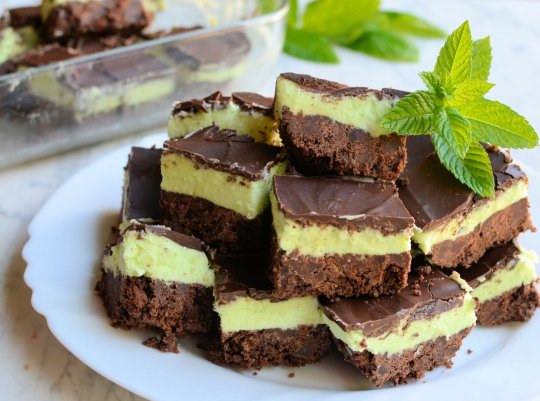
[
  {"x": 385, "y": 45},
  {"x": 454, "y": 129},
  {"x": 481, "y": 59},
  {"x": 408, "y": 24},
  {"x": 474, "y": 170},
  {"x": 432, "y": 80},
  {"x": 469, "y": 90},
  {"x": 498, "y": 124},
  {"x": 309, "y": 46},
  {"x": 411, "y": 115},
  {"x": 454, "y": 61},
  {"x": 292, "y": 17},
  {"x": 338, "y": 19}
]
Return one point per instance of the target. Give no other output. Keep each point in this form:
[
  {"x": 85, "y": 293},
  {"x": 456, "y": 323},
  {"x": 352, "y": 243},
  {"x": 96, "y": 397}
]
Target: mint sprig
[
  {"x": 358, "y": 25},
  {"x": 455, "y": 113}
]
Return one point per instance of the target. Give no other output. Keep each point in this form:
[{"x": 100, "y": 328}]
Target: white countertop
[{"x": 35, "y": 366}]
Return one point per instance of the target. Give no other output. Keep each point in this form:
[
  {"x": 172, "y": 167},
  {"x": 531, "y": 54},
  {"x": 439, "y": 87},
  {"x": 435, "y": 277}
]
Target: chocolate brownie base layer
[
  {"x": 412, "y": 363},
  {"x": 219, "y": 227},
  {"x": 76, "y": 19},
  {"x": 517, "y": 305},
  {"x": 256, "y": 349},
  {"x": 497, "y": 230},
  {"x": 339, "y": 275},
  {"x": 176, "y": 309},
  {"x": 320, "y": 146}
]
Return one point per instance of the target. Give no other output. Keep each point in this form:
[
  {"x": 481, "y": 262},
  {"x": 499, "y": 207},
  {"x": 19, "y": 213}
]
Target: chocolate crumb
[
  {"x": 469, "y": 351},
  {"x": 291, "y": 375},
  {"x": 254, "y": 373}
]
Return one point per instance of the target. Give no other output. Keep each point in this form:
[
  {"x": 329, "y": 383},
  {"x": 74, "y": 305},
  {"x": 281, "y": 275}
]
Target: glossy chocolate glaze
[
  {"x": 224, "y": 150},
  {"x": 247, "y": 101},
  {"x": 342, "y": 203}
]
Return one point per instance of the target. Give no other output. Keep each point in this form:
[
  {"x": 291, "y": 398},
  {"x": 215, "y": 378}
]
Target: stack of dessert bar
[{"x": 279, "y": 227}]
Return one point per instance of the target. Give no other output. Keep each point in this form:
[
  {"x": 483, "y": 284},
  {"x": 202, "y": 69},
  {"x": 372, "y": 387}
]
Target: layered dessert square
[
  {"x": 503, "y": 282},
  {"x": 453, "y": 226},
  {"x": 107, "y": 85},
  {"x": 153, "y": 277},
  {"x": 338, "y": 237},
  {"x": 333, "y": 129},
  {"x": 215, "y": 186},
  {"x": 258, "y": 328},
  {"x": 246, "y": 113},
  {"x": 393, "y": 338}
]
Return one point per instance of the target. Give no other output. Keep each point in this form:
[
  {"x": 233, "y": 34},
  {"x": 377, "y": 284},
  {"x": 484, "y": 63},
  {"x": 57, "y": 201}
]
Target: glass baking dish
[{"x": 73, "y": 103}]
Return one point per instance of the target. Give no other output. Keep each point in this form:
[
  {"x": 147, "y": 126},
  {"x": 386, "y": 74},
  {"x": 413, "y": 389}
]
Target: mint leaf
[
  {"x": 454, "y": 61},
  {"x": 453, "y": 129},
  {"x": 385, "y": 45},
  {"x": 338, "y": 19},
  {"x": 309, "y": 46},
  {"x": 469, "y": 90},
  {"x": 411, "y": 115},
  {"x": 481, "y": 59},
  {"x": 292, "y": 17},
  {"x": 498, "y": 124},
  {"x": 432, "y": 80},
  {"x": 474, "y": 171},
  {"x": 407, "y": 23}
]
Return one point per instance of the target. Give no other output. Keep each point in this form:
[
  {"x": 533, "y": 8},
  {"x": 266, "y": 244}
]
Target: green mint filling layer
[
  {"x": 363, "y": 112},
  {"x": 249, "y": 198},
  {"x": 521, "y": 271},
  {"x": 150, "y": 255},
  {"x": 250, "y": 314},
  {"x": 466, "y": 224},
  {"x": 11, "y": 44},
  {"x": 94, "y": 100},
  {"x": 319, "y": 240},
  {"x": 256, "y": 125},
  {"x": 409, "y": 334}
]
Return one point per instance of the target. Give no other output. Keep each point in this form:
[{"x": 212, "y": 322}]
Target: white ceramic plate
[{"x": 63, "y": 254}]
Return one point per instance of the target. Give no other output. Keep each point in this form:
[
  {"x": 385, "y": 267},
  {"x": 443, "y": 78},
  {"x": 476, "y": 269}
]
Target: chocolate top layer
[
  {"x": 493, "y": 260},
  {"x": 247, "y": 101},
  {"x": 143, "y": 185},
  {"x": 342, "y": 203},
  {"x": 25, "y": 16},
  {"x": 224, "y": 150},
  {"x": 335, "y": 89},
  {"x": 181, "y": 239},
  {"x": 423, "y": 298},
  {"x": 223, "y": 49},
  {"x": 240, "y": 276},
  {"x": 432, "y": 194}
]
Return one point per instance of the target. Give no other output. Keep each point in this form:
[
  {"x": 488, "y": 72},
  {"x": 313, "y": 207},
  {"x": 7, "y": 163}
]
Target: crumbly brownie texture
[
  {"x": 196, "y": 216},
  {"x": 411, "y": 363},
  {"x": 176, "y": 309},
  {"x": 320, "y": 146},
  {"x": 500, "y": 228},
  {"x": 338, "y": 275},
  {"x": 246, "y": 101},
  {"x": 517, "y": 305},
  {"x": 272, "y": 347},
  {"x": 75, "y": 19}
]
